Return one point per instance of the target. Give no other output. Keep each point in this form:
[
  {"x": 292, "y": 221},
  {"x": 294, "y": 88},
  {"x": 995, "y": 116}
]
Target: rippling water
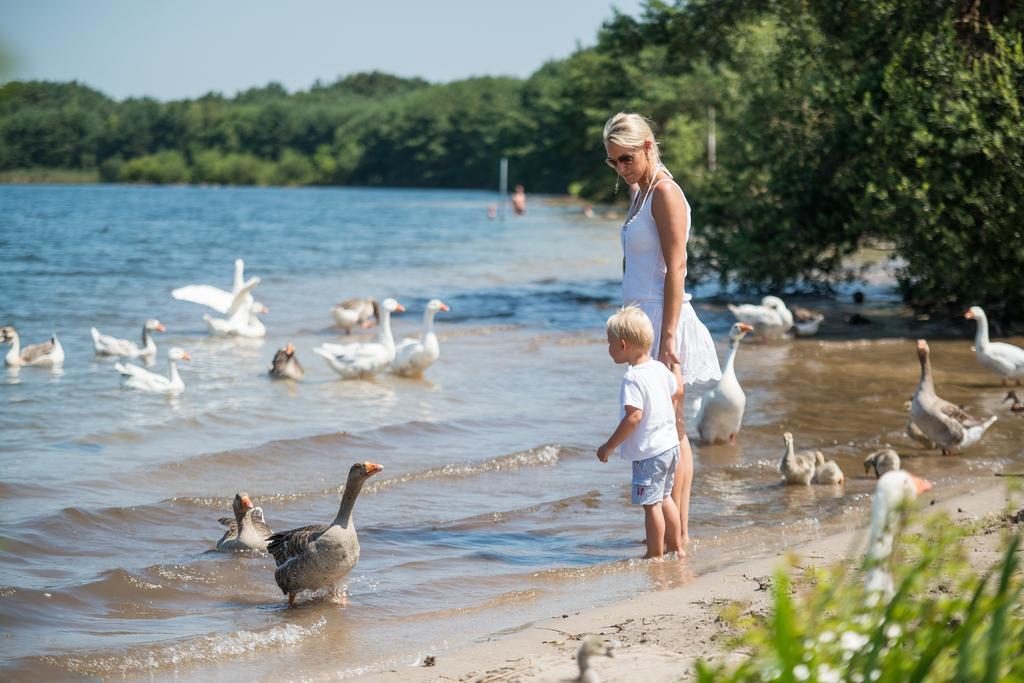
[{"x": 491, "y": 511}]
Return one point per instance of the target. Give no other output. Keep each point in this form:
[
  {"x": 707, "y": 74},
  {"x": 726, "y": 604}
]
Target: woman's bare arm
[{"x": 669, "y": 211}]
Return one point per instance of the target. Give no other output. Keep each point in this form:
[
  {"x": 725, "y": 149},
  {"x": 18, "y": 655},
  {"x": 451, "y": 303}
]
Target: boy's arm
[{"x": 621, "y": 433}]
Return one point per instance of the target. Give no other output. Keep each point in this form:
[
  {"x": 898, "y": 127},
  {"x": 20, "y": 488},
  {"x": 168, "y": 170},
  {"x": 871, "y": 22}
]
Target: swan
[
  {"x": 770, "y": 320},
  {"x": 135, "y": 377},
  {"x": 213, "y": 297},
  {"x": 806, "y": 322},
  {"x": 827, "y": 473},
  {"x": 45, "y": 353},
  {"x": 286, "y": 364},
  {"x": 894, "y": 491},
  {"x": 720, "y": 412},
  {"x": 366, "y": 359},
  {"x": 1006, "y": 360},
  {"x": 413, "y": 356},
  {"x": 241, "y": 318},
  {"x": 352, "y": 312},
  {"x": 592, "y": 646},
  {"x": 944, "y": 423},
  {"x": 105, "y": 345},
  {"x": 882, "y": 461},
  {"x": 797, "y": 468},
  {"x": 248, "y": 530},
  {"x": 319, "y": 555}
]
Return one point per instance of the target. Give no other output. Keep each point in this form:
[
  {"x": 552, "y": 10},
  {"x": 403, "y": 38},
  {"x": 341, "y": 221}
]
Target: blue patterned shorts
[{"x": 653, "y": 477}]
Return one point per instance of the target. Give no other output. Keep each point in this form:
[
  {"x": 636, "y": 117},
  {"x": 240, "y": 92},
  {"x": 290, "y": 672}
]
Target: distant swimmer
[
  {"x": 519, "y": 200},
  {"x": 492, "y": 211}
]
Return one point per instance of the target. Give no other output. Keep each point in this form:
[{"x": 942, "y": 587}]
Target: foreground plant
[{"x": 945, "y": 621}]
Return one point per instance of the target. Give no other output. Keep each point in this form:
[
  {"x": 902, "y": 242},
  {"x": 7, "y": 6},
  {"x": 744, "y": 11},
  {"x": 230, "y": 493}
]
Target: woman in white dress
[{"x": 654, "y": 244}]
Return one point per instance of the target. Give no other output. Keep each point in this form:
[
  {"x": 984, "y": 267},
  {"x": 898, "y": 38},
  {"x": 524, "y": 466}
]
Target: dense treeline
[{"x": 837, "y": 126}]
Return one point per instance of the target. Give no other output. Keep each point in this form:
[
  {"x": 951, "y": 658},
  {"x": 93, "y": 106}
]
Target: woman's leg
[{"x": 684, "y": 472}]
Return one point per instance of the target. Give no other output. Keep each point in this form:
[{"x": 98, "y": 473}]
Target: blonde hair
[
  {"x": 633, "y": 130},
  {"x": 631, "y": 325}
]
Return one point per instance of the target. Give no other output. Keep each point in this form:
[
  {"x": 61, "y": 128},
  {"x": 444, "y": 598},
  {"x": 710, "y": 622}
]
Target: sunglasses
[{"x": 625, "y": 160}]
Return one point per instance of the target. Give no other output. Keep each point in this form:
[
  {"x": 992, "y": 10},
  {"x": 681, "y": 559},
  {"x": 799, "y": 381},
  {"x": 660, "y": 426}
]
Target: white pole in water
[{"x": 503, "y": 186}]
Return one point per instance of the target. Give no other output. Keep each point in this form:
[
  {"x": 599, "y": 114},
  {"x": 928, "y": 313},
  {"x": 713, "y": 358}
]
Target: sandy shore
[{"x": 662, "y": 634}]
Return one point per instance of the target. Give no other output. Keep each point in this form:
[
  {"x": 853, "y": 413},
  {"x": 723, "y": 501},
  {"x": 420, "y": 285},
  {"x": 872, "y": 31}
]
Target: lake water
[{"x": 491, "y": 512}]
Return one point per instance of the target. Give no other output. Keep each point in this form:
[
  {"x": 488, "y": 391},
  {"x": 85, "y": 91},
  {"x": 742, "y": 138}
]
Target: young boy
[{"x": 646, "y": 436}]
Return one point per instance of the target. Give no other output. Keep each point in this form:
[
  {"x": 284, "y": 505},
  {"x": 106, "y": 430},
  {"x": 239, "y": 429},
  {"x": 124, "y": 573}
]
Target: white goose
[
  {"x": 770, "y": 320},
  {"x": 1006, "y": 360},
  {"x": 413, "y": 356},
  {"x": 134, "y": 377},
  {"x": 105, "y": 345},
  {"x": 806, "y": 322},
  {"x": 942, "y": 422},
  {"x": 362, "y": 360},
  {"x": 241, "y": 320},
  {"x": 720, "y": 411},
  {"x": 213, "y": 297},
  {"x": 798, "y": 468},
  {"x": 45, "y": 353},
  {"x": 895, "y": 490},
  {"x": 352, "y": 312}
]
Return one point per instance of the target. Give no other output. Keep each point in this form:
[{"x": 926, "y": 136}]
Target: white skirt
[{"x": 694, "y": 346}]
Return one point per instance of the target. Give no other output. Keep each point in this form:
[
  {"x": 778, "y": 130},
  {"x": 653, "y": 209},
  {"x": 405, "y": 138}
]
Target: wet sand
[{"x": 660, "y": 635}]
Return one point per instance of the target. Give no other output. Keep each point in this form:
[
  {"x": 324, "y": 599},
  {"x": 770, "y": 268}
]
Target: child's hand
[{"x": 602, "y": 452}]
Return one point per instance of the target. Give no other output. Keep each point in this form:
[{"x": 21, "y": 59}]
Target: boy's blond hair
[{"x": 631, "y": 325}]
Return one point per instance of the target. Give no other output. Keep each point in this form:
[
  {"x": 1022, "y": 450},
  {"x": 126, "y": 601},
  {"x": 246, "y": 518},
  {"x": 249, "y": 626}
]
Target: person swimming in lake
[
  {"x": 654, "y": 245},
  {"x": 519, "y": 200}
]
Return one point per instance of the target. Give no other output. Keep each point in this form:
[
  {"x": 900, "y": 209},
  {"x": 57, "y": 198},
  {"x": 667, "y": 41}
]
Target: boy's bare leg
[
  {"x": 654, "y": 521},
  {"x": 673, "y": 532}
]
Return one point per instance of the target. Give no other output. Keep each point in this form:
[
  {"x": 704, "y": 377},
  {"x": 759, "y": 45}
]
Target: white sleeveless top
[{"x": 644, "y": 278}]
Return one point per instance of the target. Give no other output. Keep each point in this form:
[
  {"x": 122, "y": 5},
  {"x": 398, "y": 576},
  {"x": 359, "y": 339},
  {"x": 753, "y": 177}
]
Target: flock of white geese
[{"x": 238, "y": 314}]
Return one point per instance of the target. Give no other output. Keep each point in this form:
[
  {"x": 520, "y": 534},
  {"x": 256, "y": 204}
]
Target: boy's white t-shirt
[{"x": 649, "y": 387}]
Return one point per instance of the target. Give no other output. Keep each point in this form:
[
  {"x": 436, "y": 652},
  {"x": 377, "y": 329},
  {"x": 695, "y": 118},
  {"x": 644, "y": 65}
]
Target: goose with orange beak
[
  {"x": 106, "y": 345},
  {"x": 1006, "y": 360},
  {"x": 286, "y": 365},
  {"x": 366, "y": 359},
  {"x": 318, "y": 556},
  {"x": 720, "y": 411},
  {"x": 413, "y": 356},
  {"x": 248, "y": 530},
  {"x": 895, "y": 491},
  {"x": 134, "y": 377}
]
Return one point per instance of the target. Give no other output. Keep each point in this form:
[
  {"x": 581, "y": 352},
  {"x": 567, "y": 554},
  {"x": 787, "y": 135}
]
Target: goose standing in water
[
  {"x": 798, "y": 468},
  {"x": 248, "y": 530},
  {"x": 320, "y": 555},
  {"x": 827, "y": 473},
  {"x": 720, "y": 412},
  {"x": 1006, "y": 360},
  {"x": 134, "y": 377},
  {"x": 881, "y": 462},
  {"x": 806, "y": 322},
  {"x": 364, "y": 360},
  {"x": 45, "y": 353},
  {"x": 286, "y": 364},
  {"x": 413, "y": 356},
  {"x": 241, "y": 320},
  {"x": 770, "y": 320},
  {"x": 352, "y": 312},
  {"x": 944, "y": 423},
  {"x": 894, "y": 491},
  {"x": 105, "y": 345}
]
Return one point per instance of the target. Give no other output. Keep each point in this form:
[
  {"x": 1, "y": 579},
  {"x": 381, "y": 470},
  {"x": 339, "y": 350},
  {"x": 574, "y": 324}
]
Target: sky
[{"x": 185, "y": 48}]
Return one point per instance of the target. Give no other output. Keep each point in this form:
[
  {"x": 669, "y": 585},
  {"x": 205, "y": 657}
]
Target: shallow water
[{"x": 491, "y": 511}]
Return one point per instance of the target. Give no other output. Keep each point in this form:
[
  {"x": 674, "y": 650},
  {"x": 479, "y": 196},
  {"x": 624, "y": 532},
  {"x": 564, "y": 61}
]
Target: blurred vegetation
[
  {"x": 946, "y": 621},
  {"x": 892, "y": 123}
]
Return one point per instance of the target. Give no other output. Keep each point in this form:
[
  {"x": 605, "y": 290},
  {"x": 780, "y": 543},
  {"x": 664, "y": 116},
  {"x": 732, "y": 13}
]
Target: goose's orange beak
[
  {"x": 246, "y": 502},
  {"x": 969, "y": 315},
  {"x": 372, "y": 467},
  {"x": 400, "y": 308},
  {"x": 444, "y": 307},
  {"x": 161, "y": 328},
  {"x": 921, "y": 485},
  {"x": 746, "y": 328},
  {"x": 289, "y": 349},
  {"x": 185, "y": 356}
]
